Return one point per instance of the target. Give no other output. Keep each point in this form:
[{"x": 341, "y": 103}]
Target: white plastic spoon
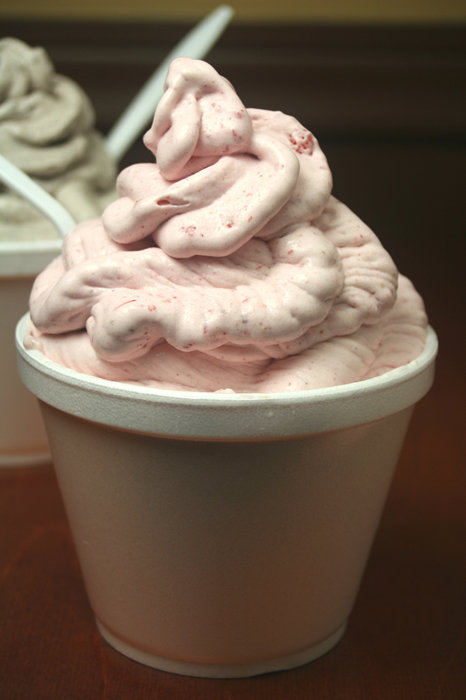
[
  {"x": 22, "y": 184},
  {"x": 196, "y": 44}
]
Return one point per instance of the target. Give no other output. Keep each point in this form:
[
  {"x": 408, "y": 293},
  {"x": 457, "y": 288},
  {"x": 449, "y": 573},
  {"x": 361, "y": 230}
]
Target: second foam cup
[
  {"x": 223, "y": 535},
  {"x": 22, "y": 436}
]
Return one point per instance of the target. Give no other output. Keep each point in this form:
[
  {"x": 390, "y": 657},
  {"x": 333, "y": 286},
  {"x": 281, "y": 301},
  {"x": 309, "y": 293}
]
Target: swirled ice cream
[
  {"x": 47, "y": 130},
  {"x": 227, "y": 265}
]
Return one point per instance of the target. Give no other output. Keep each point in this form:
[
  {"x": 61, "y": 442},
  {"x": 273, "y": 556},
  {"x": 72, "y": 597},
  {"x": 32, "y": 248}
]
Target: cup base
[
  {"x": 200, "y": 670},
  {"x": 28, "y": 459}
]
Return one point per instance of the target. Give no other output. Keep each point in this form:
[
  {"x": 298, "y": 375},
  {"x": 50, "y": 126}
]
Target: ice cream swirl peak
[{"x": 227, "y": 264}]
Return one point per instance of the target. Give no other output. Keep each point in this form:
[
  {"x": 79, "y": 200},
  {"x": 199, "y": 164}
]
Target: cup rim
[
  {"x": 207, "y": 415},
  {"x": 27, "y": 258}
]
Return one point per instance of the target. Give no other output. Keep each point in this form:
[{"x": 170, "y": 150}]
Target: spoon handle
[
  {"x": 196, "y": 44},
  {"x": 22, "y": 184}
]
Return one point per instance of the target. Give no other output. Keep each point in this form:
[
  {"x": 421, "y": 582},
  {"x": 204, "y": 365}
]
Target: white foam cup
[
  {"x": 22, "y": 435},
  {"x": 223, "y": 535}
]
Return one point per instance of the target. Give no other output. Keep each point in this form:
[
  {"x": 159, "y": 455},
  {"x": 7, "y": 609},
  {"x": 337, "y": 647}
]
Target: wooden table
[{"x": 406, "y": 637}]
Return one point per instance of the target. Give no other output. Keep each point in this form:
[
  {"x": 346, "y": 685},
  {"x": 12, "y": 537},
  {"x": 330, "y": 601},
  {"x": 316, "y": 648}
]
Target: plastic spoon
[
  {"x": 196, "y": 44},
  {"x": 22, "y": 184}
]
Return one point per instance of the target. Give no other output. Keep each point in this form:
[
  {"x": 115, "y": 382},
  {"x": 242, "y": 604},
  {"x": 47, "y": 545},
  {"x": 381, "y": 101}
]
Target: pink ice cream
[{"x": 228, "y": 265}]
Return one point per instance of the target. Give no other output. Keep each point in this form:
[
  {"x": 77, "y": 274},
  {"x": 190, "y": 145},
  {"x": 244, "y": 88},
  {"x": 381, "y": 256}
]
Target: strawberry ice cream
[{"x": 228, "y": 265}]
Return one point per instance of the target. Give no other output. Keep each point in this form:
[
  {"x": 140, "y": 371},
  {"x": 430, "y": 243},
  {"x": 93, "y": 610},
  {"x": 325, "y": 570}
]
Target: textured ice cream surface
[
  {"x": 47, "y": 130},
  {"x": 227, "y": 265}
]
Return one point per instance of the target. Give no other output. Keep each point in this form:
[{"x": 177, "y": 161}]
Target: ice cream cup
[
  {"x": 223, "y": 535},
  {"x": 22, "y": 435}
]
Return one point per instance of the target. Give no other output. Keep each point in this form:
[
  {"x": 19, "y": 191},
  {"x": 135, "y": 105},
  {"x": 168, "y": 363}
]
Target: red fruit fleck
[{"x": 130, "y": 301}]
